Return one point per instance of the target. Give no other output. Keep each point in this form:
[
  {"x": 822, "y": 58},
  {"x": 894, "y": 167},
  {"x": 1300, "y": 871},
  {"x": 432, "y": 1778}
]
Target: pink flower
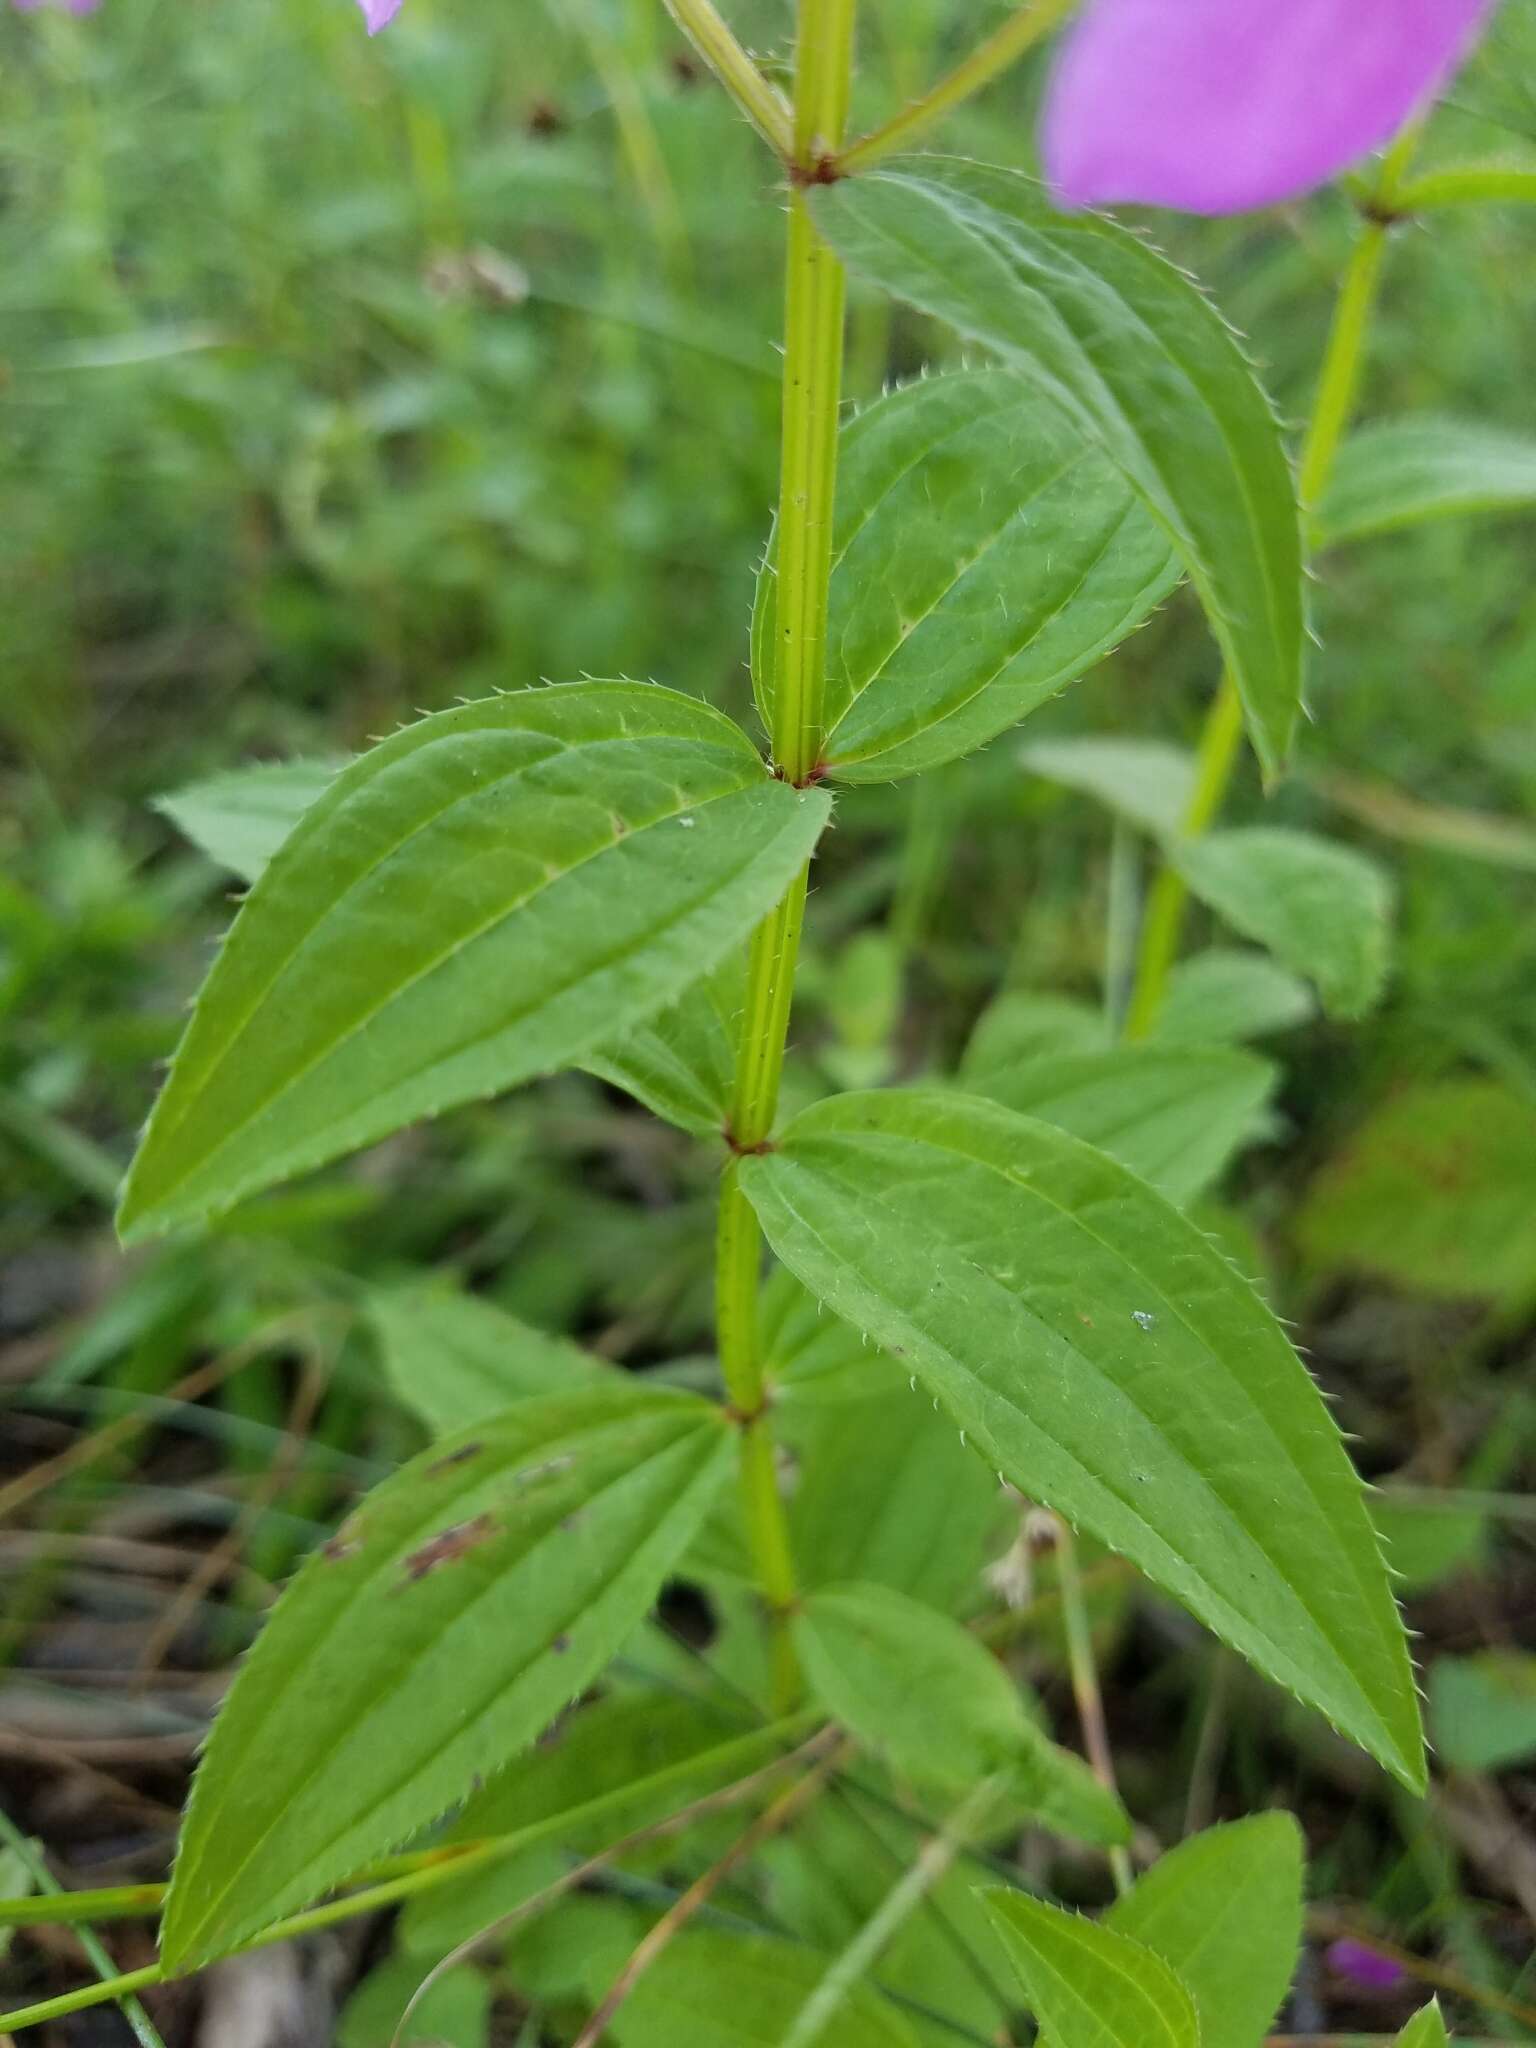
[
  {"x": 1215, "y": 106},
  {"x": 378, "y": 13},
  {"x": 69, "y": 6}
]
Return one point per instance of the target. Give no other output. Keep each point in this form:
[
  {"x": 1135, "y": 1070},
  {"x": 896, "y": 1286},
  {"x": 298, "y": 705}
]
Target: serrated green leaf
[
  {"x": 454, "y": 1359},
  {"x": 743, "y": 1991},
  {"x": 487, "y": 896},
  {"x": 1435, "y": 1190},
  {"x": 1020, "y": 1026},
  {"x": 469, "y": 1598},
  {"x": 1109, "y": 1362},
  {"x": 1223, "y": 1910},
  {"x": 1426, "y": 2029},
  {"x": 1406, "y": 472},
  {"x": 1129, "y": 351},
  {"x": 1174, "y": 1115},
  {"x": 1145, "y": 781},
  {"x": 681, "y": 1063},
  {"x": 1482, "y": 1709},
  {"x": 609, "y": 1769},
  {"x": 1225, "y": 993},
  {"x": 1088, "y": 1986},
  {"x": 984, "y": 555},
  {"x": 809, "y": 1356},
  {"x": 923, "y": 1693},
  {"x": 887, "y": 1492},
  {"x": 1323, "y": 909},
  {"x": 240, "y": 818}
]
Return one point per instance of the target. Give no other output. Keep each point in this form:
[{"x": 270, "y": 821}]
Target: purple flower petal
[
  {"x": 1367, "y": 1967},
  {"x": 1214, "y": 106},
  {"x": 378, "y": 13}
]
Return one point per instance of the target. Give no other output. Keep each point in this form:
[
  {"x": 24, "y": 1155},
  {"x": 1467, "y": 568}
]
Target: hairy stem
[
  {"x": 1338, "y": 390},
  {"x": 762, "y": 102},
  {"x": 813, "y": 366},
  {"x": 988, "y": 61}
]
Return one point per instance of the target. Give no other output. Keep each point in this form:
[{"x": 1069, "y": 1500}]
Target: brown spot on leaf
[
  {"x": 461, "y": 1456},
  {"x": 560, "y": 1645},
  {"x": 448, "y": 1546},
  {"x": 337, "y": 1547}
]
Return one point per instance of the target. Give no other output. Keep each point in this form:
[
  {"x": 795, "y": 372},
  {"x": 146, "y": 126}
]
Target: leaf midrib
[
  {"x": 368, "y": 1585},
  {"x": 430, "y": 966},
  {"x": 918, "y": 722},
  {"x": 1282, "y": 1661}
]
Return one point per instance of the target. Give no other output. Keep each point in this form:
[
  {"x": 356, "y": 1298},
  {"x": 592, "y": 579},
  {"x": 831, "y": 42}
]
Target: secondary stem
[
  {"x": 762, "y": 103},
  {"x": 813, "y": 366},
  {"x": 1085, "y": 1682},
  {"x": 1338, "y": 389},
  {"x": 985, "y": 63}
]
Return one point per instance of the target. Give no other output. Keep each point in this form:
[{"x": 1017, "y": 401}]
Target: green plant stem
[
  {"x": 813, "y": 362},
  {"x": 1338, "y": 391},
  {"x": 890, "y": 1916},
  {"x": 1469, "y": 185},
  {"x": 984, "y": 64},
  {"x": 739, "y": 1254},
  {"x": 814, "y": 316},
  {"x": 1085, "y": 1683},
  {"x": 142, "y": 2026},
  {"x": 425, "y": 1870},
  {"x": 762, "y": 103},
  {"x": 1164, "y": 919}
]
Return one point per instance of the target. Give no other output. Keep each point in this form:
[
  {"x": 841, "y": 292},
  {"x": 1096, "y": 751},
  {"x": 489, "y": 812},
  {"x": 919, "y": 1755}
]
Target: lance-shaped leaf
[
  {"x": 984, "y": 555},
  {"x": 454, "y": 1359},
  {"x": 1406, "y": 472},
  {"x": 681, "y": 1063},
  {"x": 1020, "y": 1026},
  {"x": 1143, "y": 365},
  {"x": 1107, "y": 1359},
  {"x": 485, "y": 897},
  {"x": 1088, "y": 1986},
  {"x": 1426, "y": 2029},
  {"x": 744, "y": 1991},
  {"x": 1145, "y": 781},
  {"x": 808, "y": 1357},
  {"x": 1323, "y": 909},
  {"x": 465, "y": 1603},
  {"x": 1226, "y": 993},
  {"x": 1173, "y": 1114},
  {"x": 240, "y": 818},
  {"x": 920, "y": 1690},
  {"x": 886, "y": 1492},
  {"x": 1223, "y": 1910},
  {"x": 609, "y": 1769}
]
